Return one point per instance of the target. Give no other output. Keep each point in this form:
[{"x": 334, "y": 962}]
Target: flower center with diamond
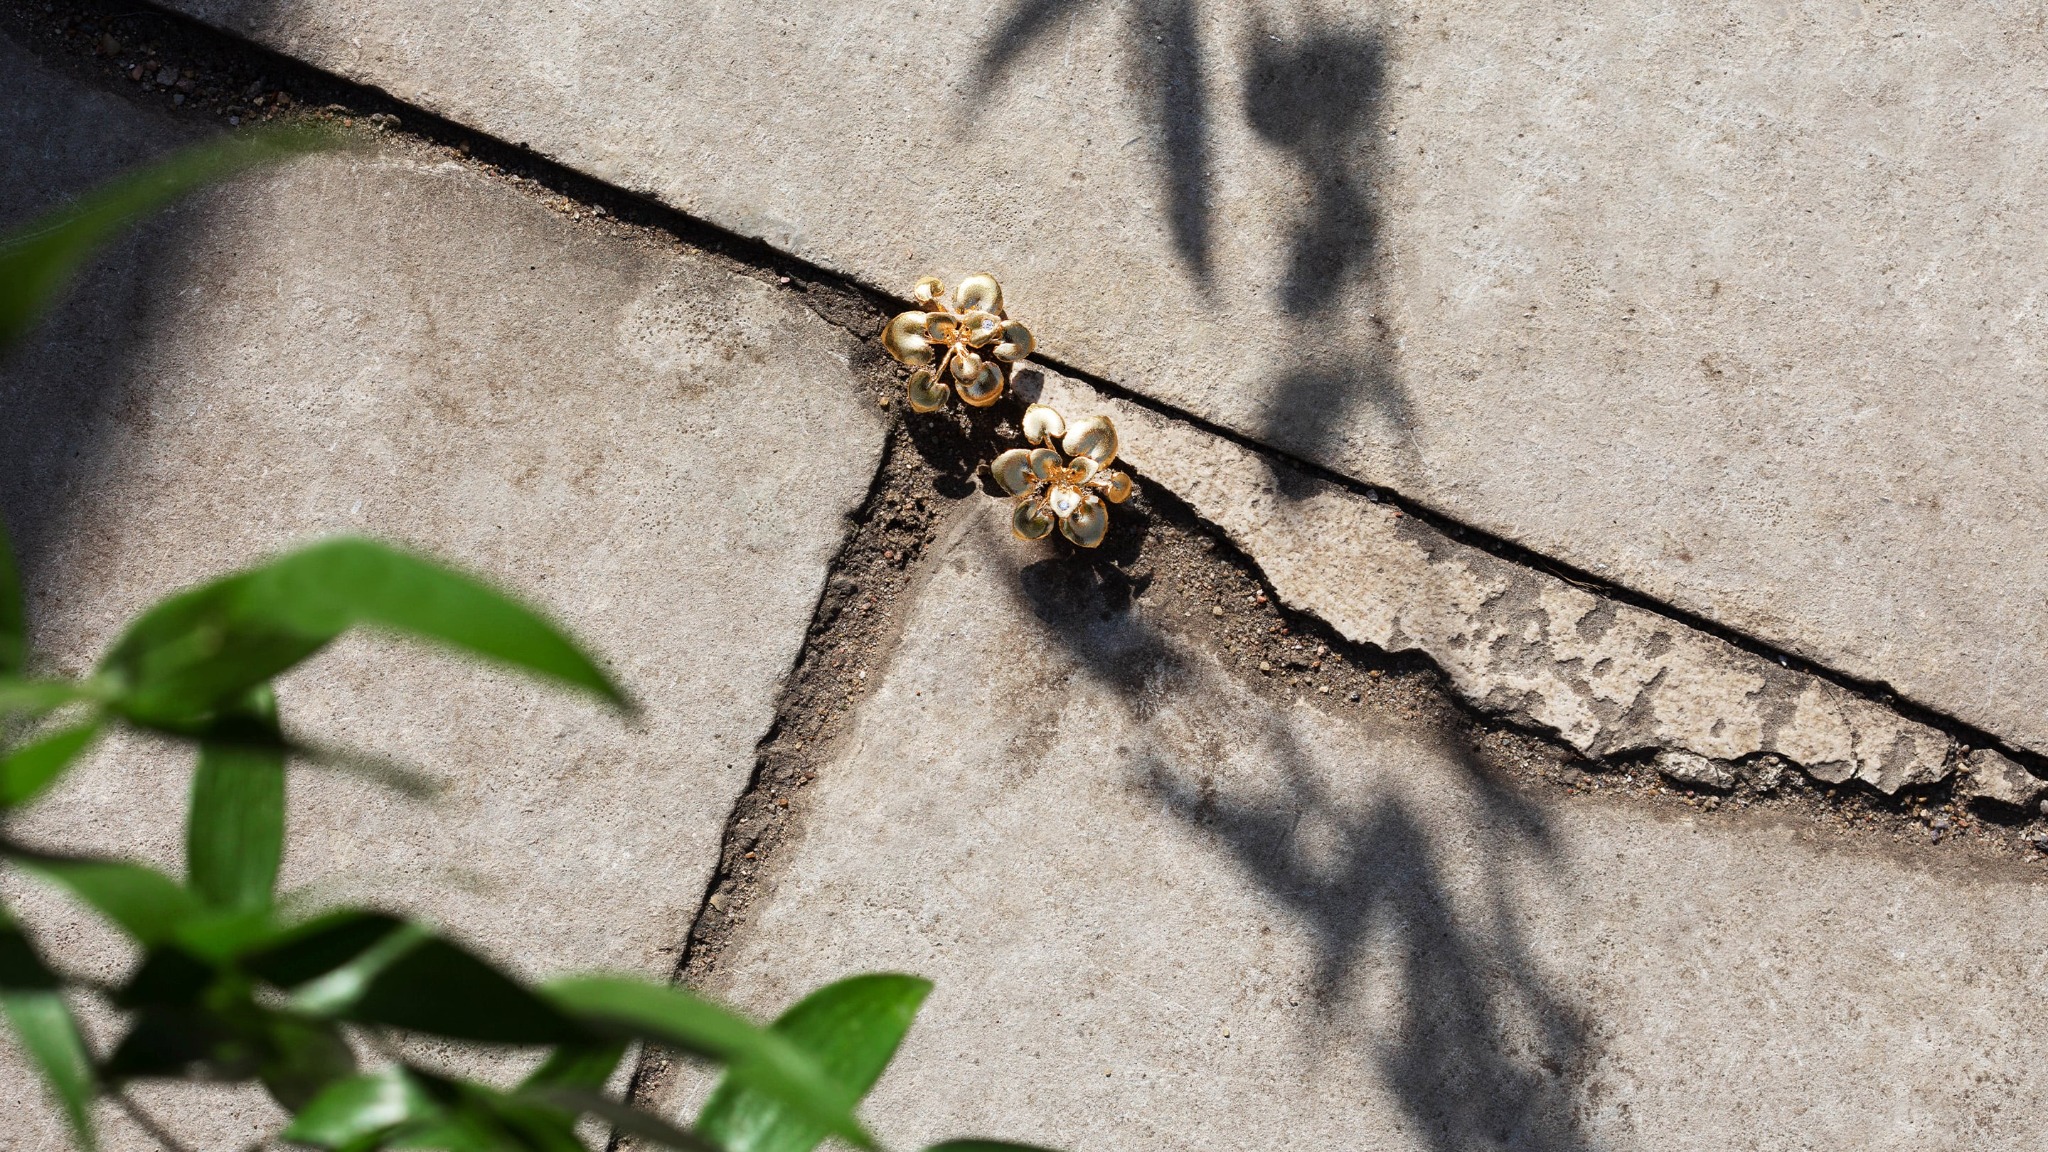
[{"x": 1063, "y": 501}]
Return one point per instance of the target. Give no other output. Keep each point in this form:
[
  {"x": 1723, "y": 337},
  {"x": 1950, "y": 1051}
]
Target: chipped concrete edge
[{"x": 1607, "y": 678}]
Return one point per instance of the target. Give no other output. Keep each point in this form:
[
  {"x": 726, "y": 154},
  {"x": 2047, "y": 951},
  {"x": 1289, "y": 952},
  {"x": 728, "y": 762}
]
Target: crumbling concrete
[
  {"x": 1991, "y": 776},
  {"x": 1608, "y": 678}
]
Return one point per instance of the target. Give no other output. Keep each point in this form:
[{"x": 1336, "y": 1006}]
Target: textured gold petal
[
  {"x": 941, "y": 327},
  {"x": 1081, "y": 469},
  {"x": 986, "y": 386},
  {"x": 1043, "y": 425},
  {"x": 966, "y": 365},
  {"x": 1017, "y": 343},
  {"x": 981, "y": 328},
  {"x": 1045, "y": 464},
  {"x": 928, "y": 393},
  {"x": 1088, "y": 524},
  {"x": 1093, "y": 437},
  {"x": 1115, "y": 486},
  {"x": 1030, "y": 520},
  {"x": 979, "y": 292},
  {"x": 929, "y": 291},
  {"x": 1012, "y": 470},
  {"x": 904, "y": 339}
]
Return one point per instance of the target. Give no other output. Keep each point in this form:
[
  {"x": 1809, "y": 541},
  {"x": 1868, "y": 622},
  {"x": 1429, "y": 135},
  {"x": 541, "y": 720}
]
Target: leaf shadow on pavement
[
  {"x": 1312, "y": 90},
  {"x": 1167, "y": 55},
  {"x": 1483, "y": 1051}
]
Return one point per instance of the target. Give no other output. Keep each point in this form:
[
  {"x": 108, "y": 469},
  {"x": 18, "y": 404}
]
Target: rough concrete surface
[
  {"x": 1168, "y": 909},
  {"x": 1738, "y": 309},
  {"x": 1608, "y": 677},
  {"x": 658, "y": 450}
]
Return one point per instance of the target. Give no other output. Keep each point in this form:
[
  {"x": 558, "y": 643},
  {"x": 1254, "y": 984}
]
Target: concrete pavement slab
[
  {"x": 661, "y": 451},
  {"x": 1169, "y": 907},
  {"x": 1739, "y": 312}
]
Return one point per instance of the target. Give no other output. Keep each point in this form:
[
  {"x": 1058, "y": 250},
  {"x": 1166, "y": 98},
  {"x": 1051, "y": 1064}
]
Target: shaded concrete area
[
  {"x": 1169, "y": 908},
  {"x": 660, "y": 450},
  {"x": 1739, "y": 312}
]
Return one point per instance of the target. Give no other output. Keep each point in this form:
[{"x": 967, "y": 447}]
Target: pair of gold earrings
[{"x": 967, "y": 343}]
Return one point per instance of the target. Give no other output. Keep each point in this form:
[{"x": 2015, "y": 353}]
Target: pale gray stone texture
[
  {"x": 659, "y": 451},
  {"x": 1165, "y": 909},
  {"x": 1740, "y": 309},
  {"x": 1995, "y": 777},
  {"x": 1519, "y": 643}
]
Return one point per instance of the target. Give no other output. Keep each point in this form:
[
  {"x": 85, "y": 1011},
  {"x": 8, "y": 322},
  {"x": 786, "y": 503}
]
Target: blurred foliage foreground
[{"x": 232, "y": 987}]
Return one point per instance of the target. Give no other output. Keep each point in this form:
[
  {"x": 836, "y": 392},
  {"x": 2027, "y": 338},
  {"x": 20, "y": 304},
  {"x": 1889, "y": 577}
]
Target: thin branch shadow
[
  {"x": 1168, "y": 57},
  {"x": 1483, "y": 1051}
]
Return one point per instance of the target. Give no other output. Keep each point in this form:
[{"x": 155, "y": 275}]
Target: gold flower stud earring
[
  {"x": 970, "y": 339},
  {"x": 1070, "y": 484}
]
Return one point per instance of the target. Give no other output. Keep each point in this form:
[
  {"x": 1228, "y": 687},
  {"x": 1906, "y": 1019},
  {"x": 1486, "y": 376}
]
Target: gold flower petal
[
  {"x": 966, "y": 365},
  {"x": 1081, "y": 470},
  {"x": 1030, "y": 520},
  {"x": 986, "y": 386},
  {"x": 1045, "y": 464},
  {"x": 928, "y": 393},
  {"x": 1043, "y": 425},
  {"x": 1088, "y": 524},
  {"x": 1115, "y": 486},
  {"x": 979, "y": 292},
  {"x": 904, "y": 339},
  {"x": 929, "y": 291},
  {"x": 1017, "y": 343},
  {"x": 1093, "y": 437},
  {"x": 1012, "y": 470},
  {"x": 941, "y": 327},
  {"x": 981, "y": 328}
]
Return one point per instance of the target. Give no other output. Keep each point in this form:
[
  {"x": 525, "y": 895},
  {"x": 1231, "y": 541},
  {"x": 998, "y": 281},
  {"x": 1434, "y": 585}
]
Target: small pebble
[
  {"x": 1265, "y": 666},
  {"x": 1217, "y": 610}
]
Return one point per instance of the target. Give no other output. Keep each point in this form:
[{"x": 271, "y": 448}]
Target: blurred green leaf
[
  {"x": 576, "y": 1066},
  {"x": 415, "y": 980},
  {"x": 50, "y": 1036},
  {"x": 19, "y": 697},
  {"x": 178, "y": 1040},
  {"x": 13, "y": 615},
  {"x": 624, "y": 1118},
  {"x": 38, "y": 260},
  {"x": 30, "y": 769},
  {"x": 361, "y": 1107},
  {"x": 234, "y": 832},
  {"x": 301, "y": 1058},
  {"x": 167, "y": 977},
  {"x": 21, "y": 967},
  {"x": 299, "y": 953},
  {"x": 756, "y": 1057},
  {"x": 851, "y": 1028},
  {"x": 193, "y": 653},
  {"x": 143, "y": 902}
]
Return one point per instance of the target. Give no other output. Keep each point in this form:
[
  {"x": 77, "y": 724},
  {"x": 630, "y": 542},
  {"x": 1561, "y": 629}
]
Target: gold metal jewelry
[
  {"x": 979, "y": 342},
  {"x": 1070, "y": 484}
]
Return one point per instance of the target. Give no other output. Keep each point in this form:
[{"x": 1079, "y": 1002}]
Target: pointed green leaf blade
[
  {"x": 194, "y": 652},
  {"x": 361, "y": 1107},
  {"x": 143, "y": 902},
  {"x": 50, "y": 1036},
  {"x": 756, "y": 1057},
  {"x": 28, "y": 771},
  {"x": 851, "y": 1028},
  {"x": 38, "y": 260},
  {"x": 234, "y": 833},
  {"x": 22, "y": 697},
  {"x": 415, "y": 980},
  {"x": 581, "y": 1066}
]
